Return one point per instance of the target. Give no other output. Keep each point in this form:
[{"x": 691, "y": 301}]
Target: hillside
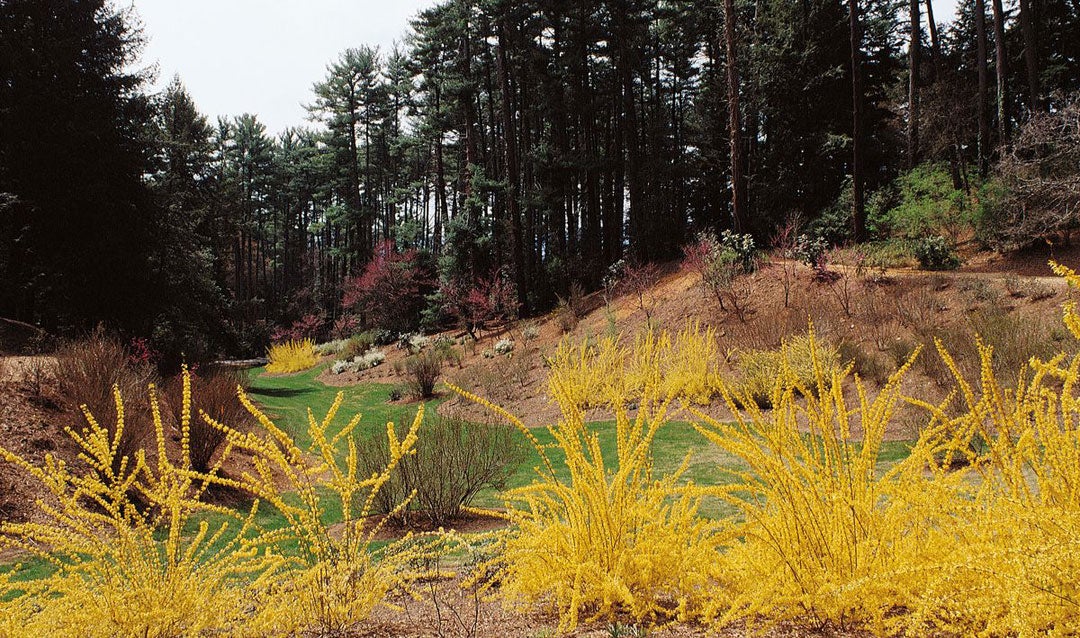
[{"x": 1012, "y": 301}]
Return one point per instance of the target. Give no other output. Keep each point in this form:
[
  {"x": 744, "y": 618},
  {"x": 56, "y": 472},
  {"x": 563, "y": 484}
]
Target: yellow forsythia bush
[
  {"x": 684, "y": 367},
  {"x": 826, "y": 535},
  {"x": 127, "y": 562},
  {"x": 763, "y": 371},
  {"x": 611, "y": 538},
  {"x": 1015, "y": 564},
  {"x": 136, "y": 553},
  {"x": 340, "y": 580},
  {"x": 291, "y": 356}
]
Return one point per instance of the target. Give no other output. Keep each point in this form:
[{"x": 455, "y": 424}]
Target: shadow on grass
[{"x": 281, "y": 393}]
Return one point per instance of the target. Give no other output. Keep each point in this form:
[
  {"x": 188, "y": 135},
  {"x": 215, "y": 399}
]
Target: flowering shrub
[
  {"x": 765, "y": 372},
  {"x": 162, "y": 568},
  {"x": 613, "y": 539},
  {"x": 292, "y": 356},
  {"x": 127, "y": 570},
  {"x": 310, "y": 326},
  {"x": 504, "y": 346},
  {"x": 345, "y": 326},
  {"x": 389, "y": 293},
  {"x": 366, "y": 361},
  {"x": 473, "y": 306}
]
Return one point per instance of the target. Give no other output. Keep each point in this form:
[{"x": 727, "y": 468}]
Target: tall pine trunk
[
  {"x": 513, "y": 177},
  {"x": 999, "y": 66},
  {"x": 738, "y": 178},
  {"x": 858, "y": 208},
  {"x": 984, "y": 81},
  {"x": 913, "y": 85},
  {"x": 1031, "y": 55}
]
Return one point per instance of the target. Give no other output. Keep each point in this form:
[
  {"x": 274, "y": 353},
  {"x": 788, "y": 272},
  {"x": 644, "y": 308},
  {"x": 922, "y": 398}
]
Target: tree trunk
[
  {"x": 1031, "y": 55},
  {"x": 984, "y": 81},
  {"x": 858, "y": 209},
  {"x": 513, "y": 177},
  {"x": 913, "y": 85},
  {"x": 935, "y": 44},
  {"x": 999, "y": 59},
  {"x": 738, "y": 178}
]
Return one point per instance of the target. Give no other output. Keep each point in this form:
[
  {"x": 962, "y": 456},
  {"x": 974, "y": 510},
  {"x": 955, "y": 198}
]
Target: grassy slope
[{"x": 287, "y": 398}]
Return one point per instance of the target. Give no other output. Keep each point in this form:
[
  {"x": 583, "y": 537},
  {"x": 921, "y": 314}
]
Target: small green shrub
[
  {"x": 929, "y": 205},
  {"x": 357, "y": 345},
  {"x": 742, "y": 245},
  {"x": 936, "y": 253}
]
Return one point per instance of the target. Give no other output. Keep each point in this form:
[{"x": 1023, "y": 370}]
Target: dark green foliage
[
  {"x": 75, "y": 225},
  {"x": 936, "y": 253},
  {"x": 927, "y": 204}
]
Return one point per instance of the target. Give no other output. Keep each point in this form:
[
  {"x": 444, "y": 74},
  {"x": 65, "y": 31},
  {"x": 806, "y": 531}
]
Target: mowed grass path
[{"x": 286, "y": 399}]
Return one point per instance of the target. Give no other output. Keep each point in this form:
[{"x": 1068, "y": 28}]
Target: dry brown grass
[
  {"x": 214, "y": 394},
  {"x": 87, "y": 370}
]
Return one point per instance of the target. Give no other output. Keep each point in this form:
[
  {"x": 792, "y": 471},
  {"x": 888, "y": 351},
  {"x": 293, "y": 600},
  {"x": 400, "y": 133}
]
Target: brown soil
[{"x": 444, "y": 609}]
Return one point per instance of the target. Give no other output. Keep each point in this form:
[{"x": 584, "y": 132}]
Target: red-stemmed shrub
[{"x": 388, "y": 295}]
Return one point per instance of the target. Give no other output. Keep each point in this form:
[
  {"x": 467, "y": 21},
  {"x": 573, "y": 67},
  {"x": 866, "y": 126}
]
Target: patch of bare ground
[
  {"x": 446, "y": 609},
  {"x": 877, "y": 320}
]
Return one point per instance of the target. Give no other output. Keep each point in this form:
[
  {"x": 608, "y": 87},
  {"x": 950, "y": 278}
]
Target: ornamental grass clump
[
  {"x": 598, "y": 537},
  {"x": 156, "y": 568},
  {"x": 291, "y": 356}
]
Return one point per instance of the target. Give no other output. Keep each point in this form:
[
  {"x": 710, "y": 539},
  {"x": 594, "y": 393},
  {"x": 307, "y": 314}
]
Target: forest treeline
[{"x": 524, "y": 145}]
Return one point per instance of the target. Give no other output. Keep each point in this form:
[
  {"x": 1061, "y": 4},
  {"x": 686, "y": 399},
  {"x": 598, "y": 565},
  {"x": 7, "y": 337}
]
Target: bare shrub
[
  {"x": 423, "y": 371},
  {"x": 639, "y": 280},
  {"x": 565, "y": 317},
  {"x": 1028, "y": 288},
  {"x": 867, "y": 364},
  {"x": 1040, "y": 176},
  {"x": 215, "y": 395},
  {"x": 785, "y": 243},
  {"x": 86, "y": 372},
  {"x": 455, "y": 460}
]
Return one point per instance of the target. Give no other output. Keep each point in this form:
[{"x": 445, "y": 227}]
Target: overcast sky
[{"x": 262, "y": 56}]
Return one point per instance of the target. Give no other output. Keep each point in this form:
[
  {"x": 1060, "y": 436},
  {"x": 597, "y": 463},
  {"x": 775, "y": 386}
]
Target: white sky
[{"x": 263, "y": 56}]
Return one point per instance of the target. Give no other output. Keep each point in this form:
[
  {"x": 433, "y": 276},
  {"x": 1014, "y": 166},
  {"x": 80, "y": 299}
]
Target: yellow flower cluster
[
  {"x": 946, "y": 540},
  {"x": 136, "y": 554},
  {"x": 291, "y": 356}
]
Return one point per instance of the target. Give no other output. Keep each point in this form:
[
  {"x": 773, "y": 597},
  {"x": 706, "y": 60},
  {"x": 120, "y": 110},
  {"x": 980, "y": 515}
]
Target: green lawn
[{"x": 287, "y": 398}]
